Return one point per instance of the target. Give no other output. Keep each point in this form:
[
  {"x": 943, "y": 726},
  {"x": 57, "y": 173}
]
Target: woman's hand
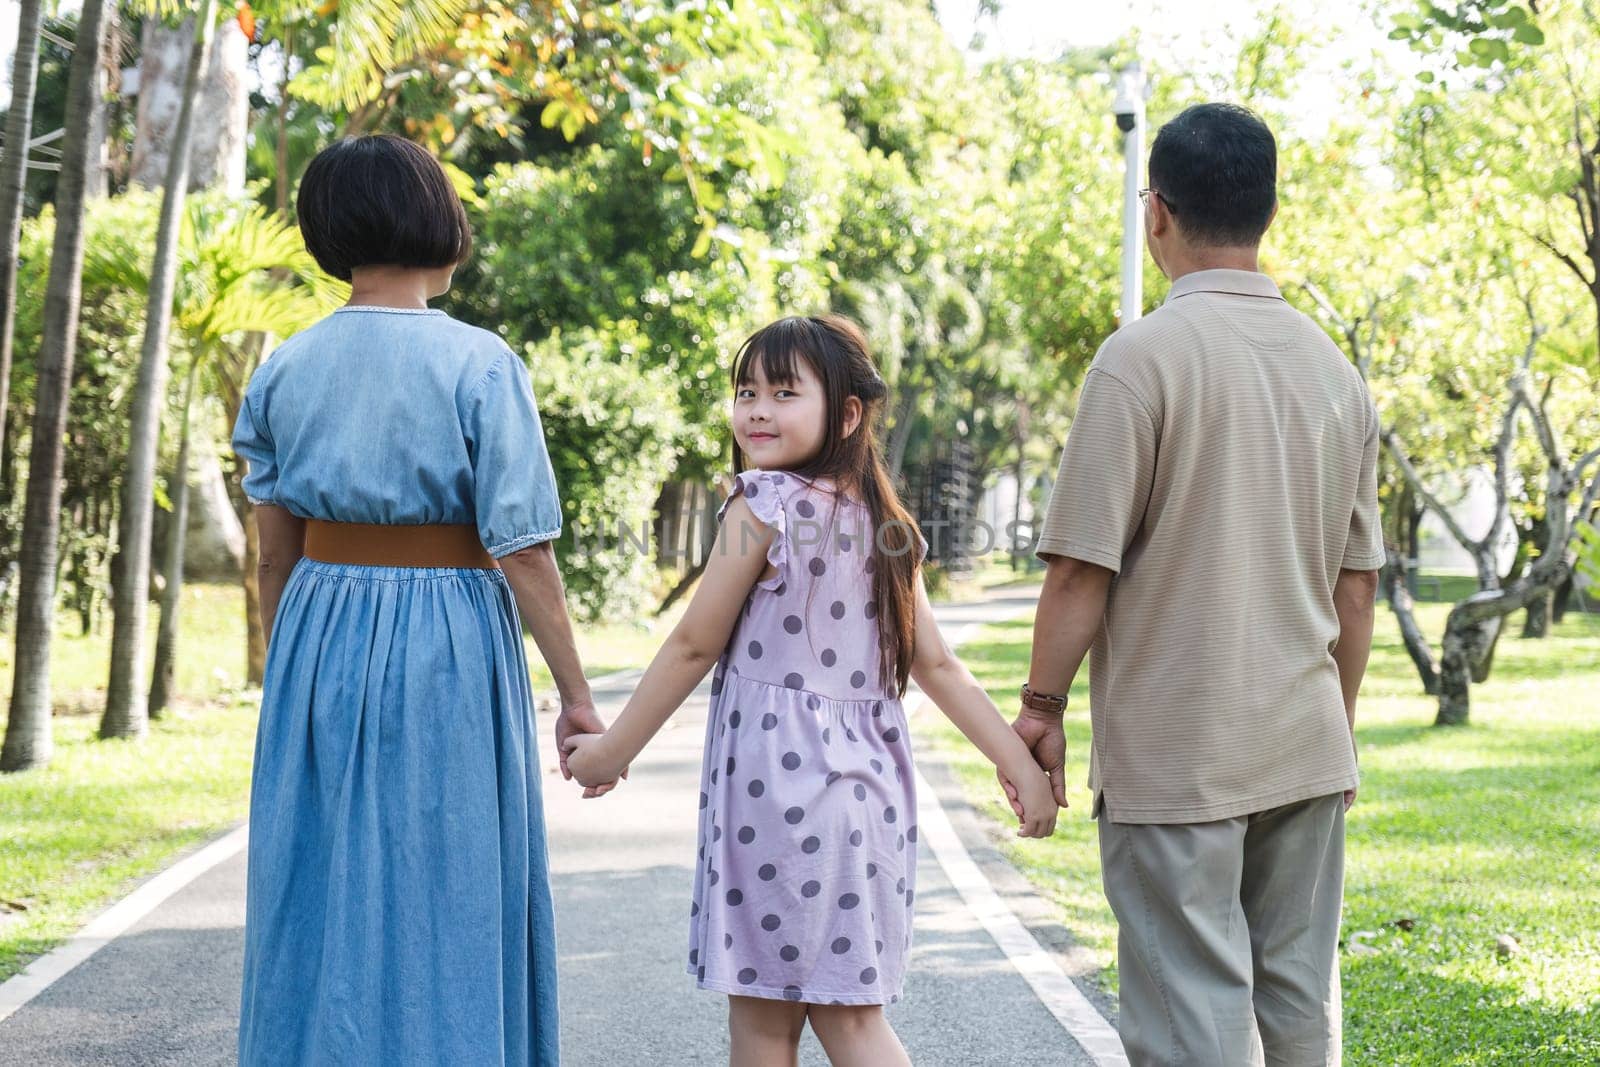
[{"x": 593, "y": 763}]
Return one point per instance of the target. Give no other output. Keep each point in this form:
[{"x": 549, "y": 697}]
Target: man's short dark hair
[
  {"x": 1216, "y": 167},
  {"x": 380, "y": 200}
]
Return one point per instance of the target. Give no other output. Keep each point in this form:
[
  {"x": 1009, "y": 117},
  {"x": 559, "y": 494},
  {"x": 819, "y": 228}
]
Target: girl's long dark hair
[{"x": 836, "y": 350}]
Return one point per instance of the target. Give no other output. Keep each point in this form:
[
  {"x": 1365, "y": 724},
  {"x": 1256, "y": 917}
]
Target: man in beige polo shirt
[{"x": 1213, "y": 536}]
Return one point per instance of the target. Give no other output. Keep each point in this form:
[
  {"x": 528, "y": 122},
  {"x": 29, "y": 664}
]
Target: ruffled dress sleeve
[{"x": 765, "y": 494}]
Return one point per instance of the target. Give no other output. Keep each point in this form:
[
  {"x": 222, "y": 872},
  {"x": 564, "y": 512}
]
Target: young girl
[{"x": 813, "y": 611}]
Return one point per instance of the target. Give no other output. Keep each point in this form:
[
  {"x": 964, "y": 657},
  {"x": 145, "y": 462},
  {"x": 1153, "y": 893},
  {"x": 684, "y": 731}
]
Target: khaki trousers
[{"x": 1228, "y": 936}]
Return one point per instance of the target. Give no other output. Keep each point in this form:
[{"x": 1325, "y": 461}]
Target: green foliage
[
  {"x": 1477, "y": 33},
  {"x": 1589, "y": 552},
  {"x": 366, "y": 40},
  {"x": 611, "y": 426},
  {"x": 236, "y": 268},
  {"x": 515, "y": 71},
  {"x": 601, "y": 244},
  {"x": 107, "y": 355}
]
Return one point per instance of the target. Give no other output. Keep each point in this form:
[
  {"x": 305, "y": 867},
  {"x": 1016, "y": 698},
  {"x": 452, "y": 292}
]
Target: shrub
[{"x": 610, "y": 423}]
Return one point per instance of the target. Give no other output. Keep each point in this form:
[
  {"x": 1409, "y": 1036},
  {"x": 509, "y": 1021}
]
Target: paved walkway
[{"x": 166, "y": 991}]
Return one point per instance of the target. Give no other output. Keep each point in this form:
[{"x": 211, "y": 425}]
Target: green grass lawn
[
  {"x": 1459, "y": 836},
  {"x": 104, "y": 814},
  {"x": 81, "y": 832}
]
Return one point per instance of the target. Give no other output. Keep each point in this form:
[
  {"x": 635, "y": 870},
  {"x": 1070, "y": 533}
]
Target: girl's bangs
[{"x": 776, "y": 347}]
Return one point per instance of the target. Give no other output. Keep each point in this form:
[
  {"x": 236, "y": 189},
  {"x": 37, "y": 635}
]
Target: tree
[
  {"x": 216, "y": 152},
  {"x": 13, "y": 177},
  {"x": 28, "y": 741},
  {"x": 162, "y": 684},
  {"x": 1474, "y": 625},
  {"x": 126, "y": 712},
  {"x": 1525, "y": 109}
]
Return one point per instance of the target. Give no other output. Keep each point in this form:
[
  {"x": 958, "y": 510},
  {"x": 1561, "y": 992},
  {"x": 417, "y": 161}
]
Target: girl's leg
[
  {"x": 764, "y": 1033},
  {"x": 857, "y": 1035}
]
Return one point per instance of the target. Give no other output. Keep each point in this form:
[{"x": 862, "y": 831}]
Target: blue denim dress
[{"x": 399, "y": 899}]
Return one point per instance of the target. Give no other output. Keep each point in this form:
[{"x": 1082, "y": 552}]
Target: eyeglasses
[{"x": 1146, "y": 194}]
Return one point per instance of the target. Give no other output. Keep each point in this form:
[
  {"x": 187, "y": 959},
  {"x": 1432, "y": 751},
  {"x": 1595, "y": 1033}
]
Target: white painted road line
[
  {"x": 1079, "y": 1018},
  {"x": 1050, "y": 983},
  {"x": 114, "y": 921}
]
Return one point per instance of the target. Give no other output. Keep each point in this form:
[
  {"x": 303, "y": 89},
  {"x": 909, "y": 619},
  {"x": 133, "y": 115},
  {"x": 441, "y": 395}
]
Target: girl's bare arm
[
  {"x": 737, "y": 561},
  {"x": 951, "y": 686}
]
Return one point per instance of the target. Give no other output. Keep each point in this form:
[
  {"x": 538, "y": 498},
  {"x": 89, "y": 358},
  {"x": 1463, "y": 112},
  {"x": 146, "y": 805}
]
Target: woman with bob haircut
[{"x": 398, "y": 904}]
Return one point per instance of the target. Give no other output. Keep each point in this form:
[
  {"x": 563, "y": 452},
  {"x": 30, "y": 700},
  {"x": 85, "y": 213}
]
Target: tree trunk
[
  {"x": 217, "y": 149},
  {"x": 161, "y": 688},
  {"x": 1562, "y": 600},
  {"x": 8, "y": 489},
  {"x": 1454, "y": 690},
  {"x": 213, "y": 545},
  {"x": 1540, "y": 613},
  {"x": 900, "y": 432},
  {"x": 28, "y": 740},
  {"x": 703, "y": 520},
  {"x": 669, "y": 550},
  {"x": 13, "y": 177},
  {"x": 217, "y": 154},
  {"x": 96, "y": 174},
  {"x": 1016, "y": 499},
  {"x": 691, "y": 576},
  {"x": 1399, "y": 597},
  {"x": 281, "y": 179},
  {"x": 1483, "y": 640},
  {"x": 126, "y": 711}
]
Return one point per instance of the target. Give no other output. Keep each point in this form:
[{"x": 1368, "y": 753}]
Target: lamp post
[{"x": 1129, "y": 109}]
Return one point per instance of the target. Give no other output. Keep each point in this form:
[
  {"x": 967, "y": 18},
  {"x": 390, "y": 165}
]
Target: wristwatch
[{"x": 1048, "y": 702}]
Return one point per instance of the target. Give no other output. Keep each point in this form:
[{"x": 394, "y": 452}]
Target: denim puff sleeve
[
  {"x": 253, "y": 443},
  {"x": 514, "y": 487}
]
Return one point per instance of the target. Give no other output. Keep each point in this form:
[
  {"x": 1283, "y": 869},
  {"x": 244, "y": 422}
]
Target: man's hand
[
  {"x": 1349, "y": 798},
  {"x": 1046, "y": 738},
  {"x": 580, "y": 717}
]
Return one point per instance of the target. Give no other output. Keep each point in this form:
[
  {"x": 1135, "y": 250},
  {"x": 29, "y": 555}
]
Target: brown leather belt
[{"x": 369, "y": 545}]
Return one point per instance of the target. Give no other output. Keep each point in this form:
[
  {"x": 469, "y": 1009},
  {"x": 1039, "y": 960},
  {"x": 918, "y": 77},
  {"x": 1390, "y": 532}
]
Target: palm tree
[
  {"x": 13, "y": 176},
  {"x": 239, "y": 270},
  {"x": 126, "y": 714},
  {"x": 161, "y": 678},
  {"x": 367, "y": 41},
  {"x": 28, "y": 740}
]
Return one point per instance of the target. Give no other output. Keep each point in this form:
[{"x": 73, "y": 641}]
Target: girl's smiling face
[{"x": 780, "y": 425}]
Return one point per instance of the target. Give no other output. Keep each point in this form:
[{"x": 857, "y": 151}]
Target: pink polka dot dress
[{"x": 807, "y": 859}]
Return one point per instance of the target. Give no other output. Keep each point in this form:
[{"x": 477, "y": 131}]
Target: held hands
[
  {"x": 1046, "y": 738},
  {"x": 579, "y": 719},
  {"x": 1037, "y": 792},
  {"x": 1030, "y": 797},
  {"x": 590, "y": 759}
]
